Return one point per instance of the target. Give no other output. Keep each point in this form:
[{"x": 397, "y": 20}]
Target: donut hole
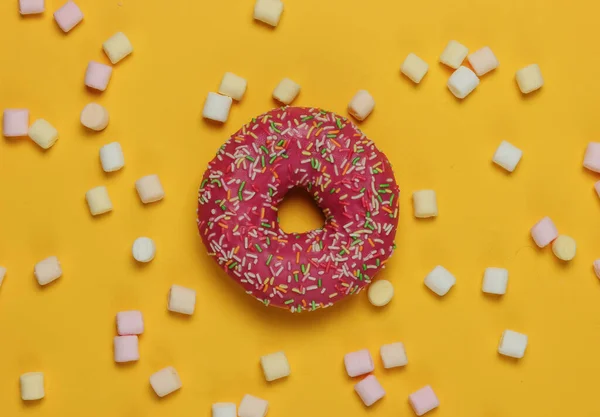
[{"x": 298, "y": 212}]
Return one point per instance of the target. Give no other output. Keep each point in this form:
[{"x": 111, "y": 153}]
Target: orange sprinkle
[
  {"x": 266, "y": 288},
  {"x": 346, "y": 169},
  {"x": 335, "y": 143},
  {"x": 384, "y": 208},
  {"x": 229, "y": 194},
  {"x": 262, "y": 213},
  {"x": 237, "y": 249},
  {"x": 310, "y": 145},
  {"x": 309, "y": 248},
  {"x": 297, "y": 257},
  {"x": 319, "y": 132},
  {"x": 275, "y": 174},
  {"x": 371, "y": 242},
  {"x": 223, "y": 225},
  {"x": 309, "y": 132},
  {"x": 324, "y": 168},
  {"x": 304, "y": 303}
]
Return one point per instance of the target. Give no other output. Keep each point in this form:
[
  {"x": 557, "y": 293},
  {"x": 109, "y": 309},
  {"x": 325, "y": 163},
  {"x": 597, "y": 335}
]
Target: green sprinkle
[
  {"x": 275, "y": 127},
  {"x": 262, "y": 159},
  {"x": 264, "y": 149},
  {"x": 355, "y": 160},
  {"x": 319, "y": 283},
  {"x": 384, "y": 185},
  {"x": 203, "y": 183},
  {"x": 331, "y": 135},
  {"x": 232, "y": 265},
  {"x": 290, "y": 301},
  {"x": 362, "y": 190},
  {"x": 368, "y": 214},
  {"x": 270, "y": 192},
  {"x": 377, "y": 262},
  {"x": 268, "y": 241},
  {"x": 379, "y": 198},
  {"x": 267, "y": 225},
  {"x": 249, "y": 158},
  {"x": 257, "y": 247},
  {"x": 364, "y": 267},
  {"x": 303, "y": 268},
  {"x": 296, "y": 276},
  {"x": 338, "y": 122},
  {"x": 284, "y": 155},
  {"x": 319, "y": 124},
  {"x": 305, "y": 118},
  {"x": 269, "y": 259},
  {"x": 281, "y": 142},
  {"x": 274, "y": 157},
  {"x": 391, "y": 199},
  {"x": 240, "y": 190}
]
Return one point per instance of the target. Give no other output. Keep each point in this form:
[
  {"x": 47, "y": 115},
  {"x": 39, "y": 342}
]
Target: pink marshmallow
[
  {"x": 68, "y": 16},
  {"x": 358, "y": 363},
  {"x": 597, "y": 267},
  {"x": 423, "y": 401},
  {"x": 483, "y": 61},
  {"x": 591, "y": 160},
  {"x": 130, "y": 322},
  {"x": 31, "y": 6},
  {"x": 126, "y": 349},
  {"x": 15, "y": 122},
  {"x": 369, "y": 390},
  {"x": 544, "y": 232},
  {"x": 97, "y": 75}
]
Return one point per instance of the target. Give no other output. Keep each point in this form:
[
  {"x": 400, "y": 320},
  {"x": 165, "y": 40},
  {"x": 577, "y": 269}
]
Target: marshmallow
[
  {"x": 2, "y": 274},
  {"x": 47, "y": 270},
  {"x": 182, "y": 300},
  {"x": 507, "y": 156},
  {"x": 512, "y": 344},
  {"x": 596, "y": 266},
  {"x": 43, "y": 133},
  {"x": 68, "y": 16},
  {"x": 361, "y": 105},
  {"x": 98, "y": 200},
  {"x": 286, "y": 91},
  {"x": 483, "y": 61},
  {"x": 251, "y": 406},
  {"x": 423, "y": 400},
  {"x": 393, "y": 355},
  {"x": 530, "y": 79},
  {"x": 591, "y": 159},
  {"x": 425, "y": 204},
  {"x": 111, "y": 157},
  {"x": 94, "y": 117},
  {"x": 369, "y": 390},
  {"x": 358, "y": 363},
  {"x": 31, "y": 6},
  {"x": 224, "y": 410},
  {"x": 414, "y": 68},
  {"x": 462, "y": 82},
  {"x": 97, "y": 75},
  {"x": 143, "y": 249},
  {"x": 454, "y": 54},
  {"x": 233, "y": 86},
  {"x": 149, "y": 189},
  {"x": 564, "y": 247},
  {"x": 275, "y": 366},
  {"x": 117, "y": 47},
  {"x": 15, "y": 122},
  {"x": 32, "y": 386},
  {"x": 495, "y": 281},
  {"x": 268, "y": 11},
  {"x": 165, "y": 381},
  {"x": 216, "y": 107},
  {"x": 130, "y": 322},
  {"x": 440, "y": 280},
  {"x": 126, "y": 349},
  {"x": 544, "y": 232},
  {"x": 380, "y": 293}
]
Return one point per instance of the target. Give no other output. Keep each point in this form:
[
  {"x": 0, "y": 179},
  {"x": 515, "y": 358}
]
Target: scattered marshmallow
[
  {"x": 111, "y": 157},
  {"x": 233, "y": 86},
  {"x": 149, "y": 189},
  {"x": 47, "y": 270},
  {"x": 32, "y": 386},
  {"x": 117, "y": 47},
  {"x": 126, "y": 349},
  {"x": 483, "y": 61},
  {"x": 2, "y": 274},
  {"x": 380, "y": 292},
  {"x": 462, "y": 82},
  {"x": 275, "y": 366},
  {"x": 182, "y": 300},
  {"x": 393, "y": 355},
  {"x": 358, "y": 363},
  {"x": 596, "y": 266},
  {"x": 425, "y": 204},
  {"x": 31, "y": 6},
  {"x": 544, "y": 232},
  {"x": 512, "y": 344},
  {"x": 495, "y": 281},
  {"x": 224, "y": 410},
  {"x": 369, "y": 390},
  {"x": 507, "y": 156},
  {"x": 268, "y": 11},
  {"x": 97, "y": 75},
  {"x": 591, "y": 159},
  {"x": 130, "y": 323},
  {"x": 361, "y": 105},
  {"x": 165, "y": 381},
  {"x": 530, "y": 79},
  {"x": 454, "y": 54},
  {"x": 143, "y": 249},
  {"x": 94, "y": 117},
  {"x": 286, "y": 91},
  {"x": 440, "y": 280},
  {"x": 15, "y": 122},
  {"x": 216, "y": 107},
  {"x": 252, "y": 406},
  {"x": 414, "y": 68},
  {"x": 43, "y": 133},
  {"x": 564, "y": 247},
  {"x": 98, "y": 200},
  {"x": 68, "y": 16},
  {"x": 423, "y": 400}
]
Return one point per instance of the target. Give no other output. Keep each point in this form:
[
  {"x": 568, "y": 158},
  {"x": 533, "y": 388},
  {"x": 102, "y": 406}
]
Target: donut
[{"x": 351, "y": 181}]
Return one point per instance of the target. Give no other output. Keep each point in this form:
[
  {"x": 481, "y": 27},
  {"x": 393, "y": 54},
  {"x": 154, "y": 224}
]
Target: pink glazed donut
[{"x": 351, "y": 181}]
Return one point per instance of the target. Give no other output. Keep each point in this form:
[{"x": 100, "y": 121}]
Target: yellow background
[{"x": 332, "y": 49}]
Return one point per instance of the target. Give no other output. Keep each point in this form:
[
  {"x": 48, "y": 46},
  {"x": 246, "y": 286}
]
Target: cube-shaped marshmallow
[
  {"x": 68, "y": 16},
  {"x": 15, "y": 122},
  {"x": 182, "y": 300},
  {"x": 111, "y": 157},
  {"x": 31, "y": 6},
  {"x": 126, "y": 349},
  {"x": 268, "y": 11},
  {"x": 286, "y": 91},
  {"x": 130, "y": 322},
  {"x": 425, "y": 204},
  {"x": 530, "y": 78},
  {"x": 117, "y": 47},
  {"x": 2, "y": 274},
  {"x": 380, "y": 292},
  {"x": 361, "y": 105},
  {"x": 414, "y": 68},
  {"x": 454, "y": 54},
  {"x": 358, "y": 363},
  {"x": 544, "y": 232},
  {"x": 393, "y": 355},
  {"x": 440, "y": 280},
  {"x": 495, "y": 281},
  {"x": 507, "y": 156},
  {"x": 98, "y": 200},
  {"x": 564, "y": 247},
  {"x": 165, "y": 381},
  {"x": 149, "y": 189},
  {"x": 275, "y": 366},
  {"x": 423, "y": 400},
  {"x": 32, "y": 386},
  {"x": 596, "y": 266},
  {"x": 233, "y": 86},
  {"x": 483, "y": 61},
  {"x": 216, "y": 107},
  {"x": 47, "y": 270},
  {"x": 94, "y": 117},
  {"x": 252, "y": 406},
  {"x": 512, "y": 344},
  {"x": 43, "y": 133},
  {"x": 462, "y": 82},
  {"x": 369, "y": 390},
  {"x": 591, "y": 159},
  {"x": 224, "y": 410},
  {"x": 97, "y": 75}
]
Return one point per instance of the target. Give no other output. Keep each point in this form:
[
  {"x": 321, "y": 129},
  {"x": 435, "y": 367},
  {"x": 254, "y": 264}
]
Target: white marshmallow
[
  {"x": 462, "y": 82},
  {"x": 268, "y": 11},
  {"x": 253, "y": 407},
  {"x": 94, "y": 117},
  {"x": 43, "y": 133},
  {"x": 393, "y": 355},
  {"x": 47, "y": 270},
  {"x": 111, "y": 157},
  {"x": 143, "y": 249},
  {"x": 233, "y": 86},
  {"x": 380, "y": 292},
  {"x": 425, "y": 204},
  {"x": 224, "y": 410},
  {"x": 165, "y": 381},
  {"x": 182, "y": 300},
  {"x": 495, "y": 281},
  {"x": 32, "y": 386},
  {"x": 2, "y": 274},
  {"x": 507, "y": 156},
  {"x": 117, "y": 47},
  {"x": 454, "y": 54},
  {"x": 216, "y": 107},
  {"x": 98, "y": 200},
  {"x": 512, "y": 344},
  {"x": 361, "y": 105},
  {"x": 530, "y": 78},
  {"x": 286, "y": 91},
  {"x": 414, "y": 68},
  {"x": 440, "y": 280},
  {"x": 149, "y": 189},
  {"x": 275, "y": 366},
  {"x": 483, "y": 61}
]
